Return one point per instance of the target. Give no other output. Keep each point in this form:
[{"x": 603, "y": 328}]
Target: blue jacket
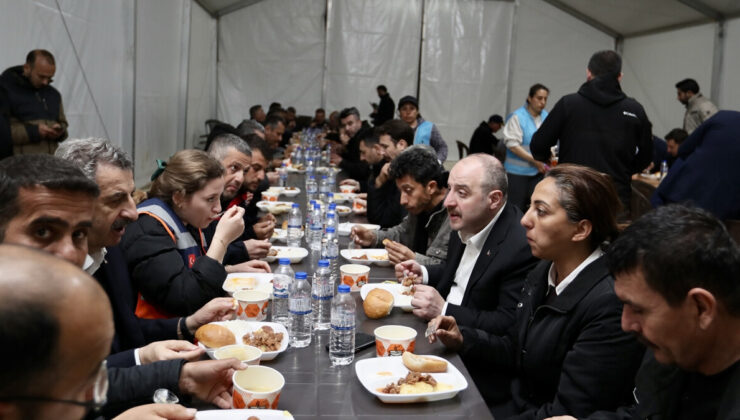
[{"x": 706, "y": 171}]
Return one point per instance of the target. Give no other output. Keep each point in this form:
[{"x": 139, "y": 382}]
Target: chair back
[{"x": 462, "y": 149}]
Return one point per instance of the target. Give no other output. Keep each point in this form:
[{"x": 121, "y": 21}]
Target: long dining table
[{"x": 315, "y": 389}]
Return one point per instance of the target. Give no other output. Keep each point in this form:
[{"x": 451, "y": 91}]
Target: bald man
[{"x": 60, "y": 324}]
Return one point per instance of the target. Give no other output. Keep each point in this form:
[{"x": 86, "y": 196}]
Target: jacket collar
[{"x": 578, "y": 289}]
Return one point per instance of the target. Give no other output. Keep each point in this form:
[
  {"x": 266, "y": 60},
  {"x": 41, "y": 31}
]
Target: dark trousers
[{"x": 521, "y": 188}]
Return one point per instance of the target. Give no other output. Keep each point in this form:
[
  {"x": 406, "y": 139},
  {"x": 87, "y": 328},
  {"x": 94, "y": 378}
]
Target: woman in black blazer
[{"x": 566, "y": 352}]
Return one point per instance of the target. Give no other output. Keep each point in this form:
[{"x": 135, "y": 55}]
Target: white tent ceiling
[{"x": 618, "y": 18}]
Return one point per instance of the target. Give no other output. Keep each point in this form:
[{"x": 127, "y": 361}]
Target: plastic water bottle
[
  {"x": 295, "y": 221},
  {"x": 322, "y": 291},
  {"x": 332, "y": 178},
  {"x": 342, "y": 334},
  {"x": 316, "y": 229},
  {"x": 330, "y": 220},
  {"x": 297, "y": 157},
  {"x": 312, "y": 188},
  {"x": 663, "y": 169},
  {"x": 330, "y": 251},
  {"x": 323, "y": 188},
  {"x": 299, "y": 308},
  {"x": 330, "y": 201},
  {"x": 310, "y": 167},
  {"x": 283, "y": 173},
  {"x": 281, "y": 282}
]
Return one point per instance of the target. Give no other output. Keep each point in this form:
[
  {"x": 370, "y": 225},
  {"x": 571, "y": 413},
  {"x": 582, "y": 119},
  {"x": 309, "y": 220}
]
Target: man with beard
[
  {"x": 137, "y": 341},
  {"x": 698, "y": 107},
  {"x": 236, "y": 157},
  {"x": 424, "y": 232}
]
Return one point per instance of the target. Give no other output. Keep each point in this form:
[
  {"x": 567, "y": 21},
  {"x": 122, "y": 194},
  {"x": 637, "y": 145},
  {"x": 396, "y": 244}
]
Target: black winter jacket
[
  {"x": 568, "y": 357},
  {"x": 159, "y": 273},
  {"x": 599, "y": 127}
]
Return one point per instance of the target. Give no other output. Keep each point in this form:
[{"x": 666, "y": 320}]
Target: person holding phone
[{"x": 36, "y": 114}]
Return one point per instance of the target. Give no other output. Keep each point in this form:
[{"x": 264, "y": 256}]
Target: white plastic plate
[
  {"x": 376, "y": 373},
  {"x": 240, "y": 327}
]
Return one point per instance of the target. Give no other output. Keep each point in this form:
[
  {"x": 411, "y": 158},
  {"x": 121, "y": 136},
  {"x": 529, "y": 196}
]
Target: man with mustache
[
  {"x": 676, "y": 269},
  {"x": 137, "y": 341},
  {"x": 488, "y": 256}
]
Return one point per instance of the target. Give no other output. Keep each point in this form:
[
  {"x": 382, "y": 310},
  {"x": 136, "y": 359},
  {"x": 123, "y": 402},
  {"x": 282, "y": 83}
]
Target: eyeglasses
[{"x": 100, "y": 393}]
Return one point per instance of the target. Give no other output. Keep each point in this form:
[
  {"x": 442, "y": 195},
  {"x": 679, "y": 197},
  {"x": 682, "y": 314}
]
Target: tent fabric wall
[
  {"x": 201, "y": 74},
  {"x": 652, "y": 65},
  {"x": 730, "y": 79},
  {"x": 159, "y": 34},
  {"x": 369, "y": 43},
  {"x": 465, "y": 65},
  {"x": 101, "y": 33},
  {"x": 271, "y": 51},
  {"x": 552, "y": 48}
]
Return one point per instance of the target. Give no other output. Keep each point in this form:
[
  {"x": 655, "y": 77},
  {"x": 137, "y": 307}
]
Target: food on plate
[
  {"x": 408, "y": 291},
  {"x": 265, "y": 339},
  {"x": 291, "y": 188},
  {"x": 298, "y": 166},
  {"x": 408, "y": 280},
  {"x": 272, "y": 253},
  {"x": 415, "y": 383},
  {"x": 416, "y": 363},
  {"x": 381, "y": 257},
  {"x": 361, "y": 257},
  {"x": 213, "y": 336},
  {"x": 282, "y": 206},
  {"x": 285, "y": 225},
  {"x": 378, "y": 303}
]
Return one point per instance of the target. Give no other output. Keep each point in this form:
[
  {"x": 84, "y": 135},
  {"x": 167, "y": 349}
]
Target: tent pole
[
  {"x": 512, "y": 57},
  {"x": 421, "y": 52},
  {"x": 184, "y": 73},
  {"x": 718, "y": 61}
]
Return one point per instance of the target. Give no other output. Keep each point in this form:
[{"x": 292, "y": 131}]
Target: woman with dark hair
[
  {"x": 523, "y": 171},
  {"x": 566, "y": 352},
  {"x": 173, "y": 268}
]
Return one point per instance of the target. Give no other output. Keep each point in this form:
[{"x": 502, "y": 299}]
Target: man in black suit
[
  {"x": 137, "y": 341},
  {"x": 488, "y": 256}
]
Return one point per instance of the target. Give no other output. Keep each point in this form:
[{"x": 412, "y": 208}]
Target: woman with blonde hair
[
  {"x": 566, "y": 353},
  {"x": 171, "y": 266}
]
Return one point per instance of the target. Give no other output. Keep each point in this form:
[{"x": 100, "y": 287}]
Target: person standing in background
[
  {"x": 37, "y": 120},
  {"x": 523, "y": 171}
]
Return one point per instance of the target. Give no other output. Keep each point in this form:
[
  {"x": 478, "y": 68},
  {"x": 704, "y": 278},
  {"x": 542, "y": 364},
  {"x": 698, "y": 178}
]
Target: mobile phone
[{"x": 362, "y": 341}]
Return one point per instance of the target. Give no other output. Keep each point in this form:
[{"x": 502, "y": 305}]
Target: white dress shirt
[
  {"x": 473, "y": 247},
  {"x": 94, "y": 260},
  {"x": 569, "y": 279}
]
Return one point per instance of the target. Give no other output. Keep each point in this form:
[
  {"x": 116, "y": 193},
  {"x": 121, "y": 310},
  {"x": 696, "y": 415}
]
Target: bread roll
[
  {"x": 418, "y": 363},
  {"x": 378, "y": 303},
  {"x": 214, "y": 336}
]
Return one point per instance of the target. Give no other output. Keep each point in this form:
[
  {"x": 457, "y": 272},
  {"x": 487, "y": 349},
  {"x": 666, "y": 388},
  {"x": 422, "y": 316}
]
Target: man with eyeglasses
[{"x": 55, "y": 214}]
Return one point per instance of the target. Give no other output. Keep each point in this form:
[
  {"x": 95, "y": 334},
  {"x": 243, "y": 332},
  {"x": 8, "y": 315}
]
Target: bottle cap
[
  {"x": 284, "y": 261},
  {"x": 330, "y": 229},
  {"x": 343, "y": 288},
  {"x": 301, "y": 275},
  {"x": 295, "y": 205},
  {"x": 323, "y": 263}
]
